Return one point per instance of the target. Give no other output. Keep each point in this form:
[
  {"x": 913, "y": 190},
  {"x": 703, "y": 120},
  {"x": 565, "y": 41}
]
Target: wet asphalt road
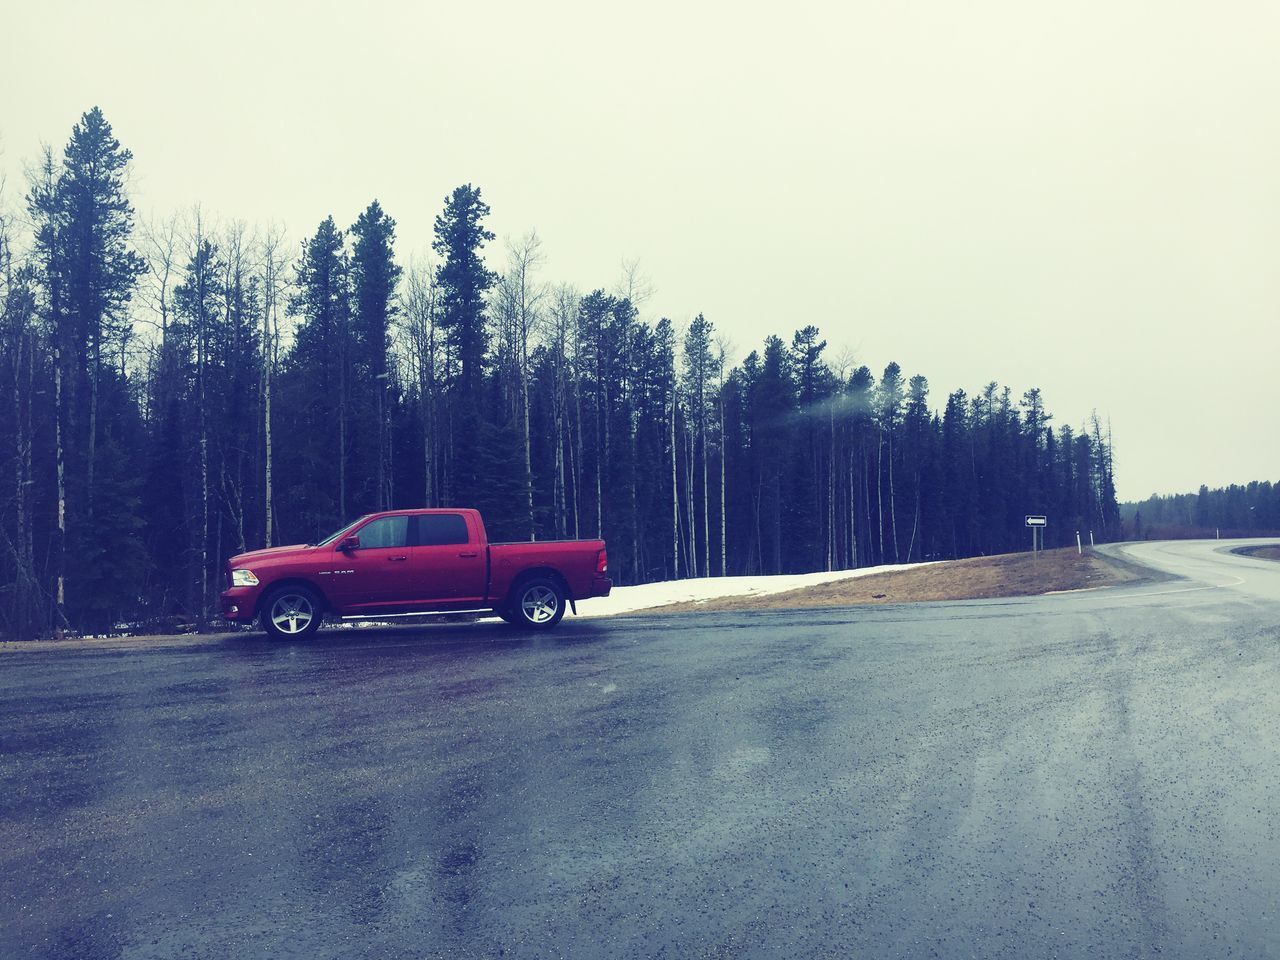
[{"x": 1083, "y": 775}]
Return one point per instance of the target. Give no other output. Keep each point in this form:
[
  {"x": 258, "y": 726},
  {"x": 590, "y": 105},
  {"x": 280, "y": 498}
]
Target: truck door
[
  {"x": 447, "y": 553},
  {"x": 378, "y": 572}
]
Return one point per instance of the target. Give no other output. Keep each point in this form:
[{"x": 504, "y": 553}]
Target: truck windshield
[{"x": 334, "y": 536}]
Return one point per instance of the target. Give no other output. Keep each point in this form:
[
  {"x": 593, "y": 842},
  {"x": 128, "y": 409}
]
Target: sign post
[{"x": 1037, "y": 522}]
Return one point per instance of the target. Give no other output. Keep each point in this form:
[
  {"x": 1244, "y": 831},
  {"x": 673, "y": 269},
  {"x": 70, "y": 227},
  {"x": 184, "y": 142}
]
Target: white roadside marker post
[{"x": 1079, "y": 548}]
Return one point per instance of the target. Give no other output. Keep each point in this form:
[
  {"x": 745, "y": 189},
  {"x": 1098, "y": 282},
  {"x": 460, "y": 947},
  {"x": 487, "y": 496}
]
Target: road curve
[
  {"x": 1208, "y": 564},
  {"x": 1090, "y": 774}
]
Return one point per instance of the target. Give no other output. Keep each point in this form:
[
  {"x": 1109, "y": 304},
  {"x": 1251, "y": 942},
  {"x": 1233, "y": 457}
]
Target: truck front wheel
[
  {"x": 291, "y": 613},
  {"x": 537, "y": 603}
]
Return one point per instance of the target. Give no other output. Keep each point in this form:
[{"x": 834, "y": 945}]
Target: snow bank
[{"x": 647, "y": 595}]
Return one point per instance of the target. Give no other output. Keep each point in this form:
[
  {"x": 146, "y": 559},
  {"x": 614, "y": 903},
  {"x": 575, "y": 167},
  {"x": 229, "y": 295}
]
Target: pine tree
[
  {"x": 917, "y": 460},
  {"x": 198, "y": 301},
  {"x": 374, "y": 277},
  {"x": 698, "y": 373},
  {"x": 100, "y": 267},
  {"x": 771, "y": 400},
  {"x": 84, "y": 223},
  {"x": 806, "y": 492},
  {"x": 463, "y": 280},
  {"x": 520, "y": 297},
  {"x": 21, "y": 368},
  {"x": 888, "y": 410},
  {"x": 315, "y": 383}
]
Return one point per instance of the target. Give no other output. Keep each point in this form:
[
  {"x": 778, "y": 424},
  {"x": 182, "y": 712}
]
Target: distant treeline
[
  {"x": 173, "y": 394},
  {"x": 1252, "y": 510}
]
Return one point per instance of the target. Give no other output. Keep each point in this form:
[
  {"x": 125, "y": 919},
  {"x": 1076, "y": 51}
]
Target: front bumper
[{"x": 239, "y": 604}]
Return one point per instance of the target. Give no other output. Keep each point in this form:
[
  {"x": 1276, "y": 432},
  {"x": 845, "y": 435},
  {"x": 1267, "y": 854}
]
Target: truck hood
[{"x": 252, "y": 556}]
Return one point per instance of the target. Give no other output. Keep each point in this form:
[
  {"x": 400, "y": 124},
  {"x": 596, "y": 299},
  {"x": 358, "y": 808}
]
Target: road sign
[{"x": 1037, "y": 522}]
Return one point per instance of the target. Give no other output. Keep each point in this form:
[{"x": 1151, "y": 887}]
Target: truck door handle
[
  {"x": 471, "y": 554},
  {"x": 397, "y": 558}
]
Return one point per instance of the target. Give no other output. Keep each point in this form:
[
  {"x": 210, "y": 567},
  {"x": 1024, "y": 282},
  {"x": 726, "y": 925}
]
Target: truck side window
[
  {"x": 384, "y": 532},
  {"x": 441, "y": 529}
]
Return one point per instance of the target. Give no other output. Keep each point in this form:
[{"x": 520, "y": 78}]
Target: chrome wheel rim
[
  {"x": 539, "y": 604},
  {"x": 292, "y": 613}
]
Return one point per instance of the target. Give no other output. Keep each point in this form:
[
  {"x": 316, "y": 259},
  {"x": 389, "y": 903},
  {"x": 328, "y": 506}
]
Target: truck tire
[
  {"x": 291, "y": 613},
  {"x": 537, "y": 603}
]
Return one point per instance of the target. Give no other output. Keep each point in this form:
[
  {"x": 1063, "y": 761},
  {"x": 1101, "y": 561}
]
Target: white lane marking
[{"x": 1171, "y": 549}]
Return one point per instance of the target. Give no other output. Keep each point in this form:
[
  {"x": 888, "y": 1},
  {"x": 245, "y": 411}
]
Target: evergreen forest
[{"x": 176, "y": 392}]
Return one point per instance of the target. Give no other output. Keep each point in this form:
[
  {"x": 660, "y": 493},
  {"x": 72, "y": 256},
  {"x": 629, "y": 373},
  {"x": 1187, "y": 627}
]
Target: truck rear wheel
[
  {"x": 291, "y": 613},
  {"x": 537, "y": 603}
]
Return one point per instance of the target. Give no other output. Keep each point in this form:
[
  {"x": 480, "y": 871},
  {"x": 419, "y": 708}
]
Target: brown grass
[{"x": 978, "y": 578}]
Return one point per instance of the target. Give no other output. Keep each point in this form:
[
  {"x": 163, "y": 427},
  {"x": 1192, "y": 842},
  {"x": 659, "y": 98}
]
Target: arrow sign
[{"x": 1037, "y": 521}]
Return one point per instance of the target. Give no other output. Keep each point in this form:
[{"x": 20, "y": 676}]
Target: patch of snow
[{"x": 701, "y": 589}]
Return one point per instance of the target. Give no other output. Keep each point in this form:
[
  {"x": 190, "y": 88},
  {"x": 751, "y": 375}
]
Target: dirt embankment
[{"x": 978, "y": 578}]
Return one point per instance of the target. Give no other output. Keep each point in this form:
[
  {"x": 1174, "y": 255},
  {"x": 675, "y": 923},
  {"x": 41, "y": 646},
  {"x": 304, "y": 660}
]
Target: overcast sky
[{"x": 1083, "y": 197}]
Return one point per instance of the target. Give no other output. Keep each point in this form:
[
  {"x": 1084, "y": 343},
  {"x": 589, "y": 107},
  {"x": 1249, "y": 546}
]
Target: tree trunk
[
  {"x": 391, "y": 463},
  {"x": 675, "y": 495},
  {"x": 689, "y": 501},
  {"x": 380, "y": 474},
  {"x": 602, "y": 409},
  {"x": 268, "y": 358},
  {"x": 60, "y": 547},
  {"x": 879, "y": 489},
  {"x": 433, "y": 438},
  {"x": 706, "y": 505},
  {"x": 893, "y": 514},
  {"x": 235, "y": 489},
  {"x": 524, "y": 408},
  {"x": 627, "y": 397},
  {"x": 575, "y": 451},
  {"x": 866, "y": 502},
  {"x": 777, "y": 521},
  {"x": 724, "y": 554},
  {"x": 915, "y": 524},
  {"x": 599, "y": 494},
  {"x": 93, "y": 424},
  {"x": 854, "y": 500},
  {"x": 559, "y": 498},
  {"x": 757, "y": 565},
  {"x": 201, "y": 360},
  {"x": 831, "y": 487},
  {"x": 25, "y": 589},
  {"x": 342, "y": 422}
]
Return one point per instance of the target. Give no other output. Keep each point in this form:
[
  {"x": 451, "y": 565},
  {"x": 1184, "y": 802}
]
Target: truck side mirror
[{"x": 349, "y": 543}]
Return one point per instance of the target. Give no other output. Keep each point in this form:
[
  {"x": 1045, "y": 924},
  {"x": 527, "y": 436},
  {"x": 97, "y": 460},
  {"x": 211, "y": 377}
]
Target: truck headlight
[{"x": 243, "y": 578}]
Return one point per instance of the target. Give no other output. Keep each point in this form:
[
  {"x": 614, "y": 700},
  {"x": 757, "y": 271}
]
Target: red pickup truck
[{"x": 405, "y": 562}]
